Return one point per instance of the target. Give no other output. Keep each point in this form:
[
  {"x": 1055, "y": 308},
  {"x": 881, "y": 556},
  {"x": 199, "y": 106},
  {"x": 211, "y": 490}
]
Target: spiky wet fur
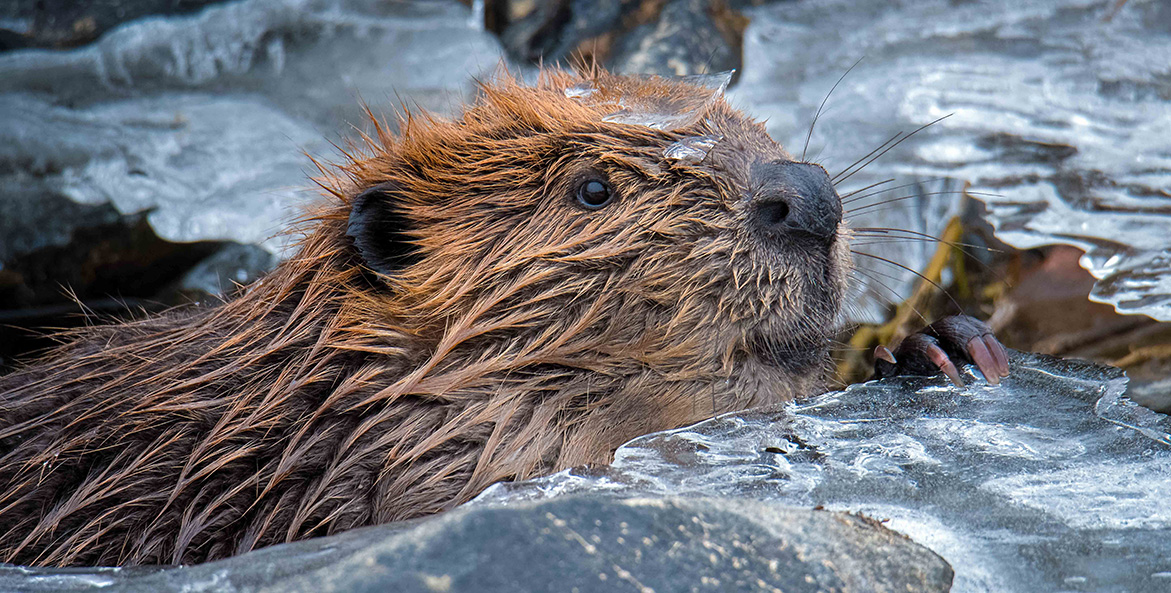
[{"x": 530, "y": 335}]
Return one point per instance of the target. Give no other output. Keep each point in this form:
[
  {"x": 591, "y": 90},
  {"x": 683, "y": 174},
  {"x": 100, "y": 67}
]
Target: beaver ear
[{"x": 378, "y": 227}]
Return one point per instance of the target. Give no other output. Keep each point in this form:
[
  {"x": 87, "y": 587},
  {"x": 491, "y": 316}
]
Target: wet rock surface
[
  {"x": 65, "y": 23},
  {"x": 583, "y": 543},
  {"x": 688, "y": 37},
  {"x": 65, "y": 264}
]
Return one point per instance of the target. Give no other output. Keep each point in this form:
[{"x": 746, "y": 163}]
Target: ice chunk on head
[
  {"x": 717, "y": 81},
  {"x": 581, "y": 90},
  {"x": 691, "y": 150},
  {"x": 637, "y": 101}
]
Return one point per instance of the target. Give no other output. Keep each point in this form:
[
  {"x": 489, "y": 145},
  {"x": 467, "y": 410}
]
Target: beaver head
[{"x": 627, "y": 227}]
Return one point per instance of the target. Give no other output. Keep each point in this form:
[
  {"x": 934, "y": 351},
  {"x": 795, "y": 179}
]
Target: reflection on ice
[
  {"x": 1052, "y": 480},
  {"x": 717, "y": 81},
  {"x": 1115, "y": 408}
]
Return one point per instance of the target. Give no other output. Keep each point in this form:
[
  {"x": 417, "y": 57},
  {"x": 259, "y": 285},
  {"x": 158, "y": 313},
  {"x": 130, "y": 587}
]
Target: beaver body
[{"x": 493, "y": 298}]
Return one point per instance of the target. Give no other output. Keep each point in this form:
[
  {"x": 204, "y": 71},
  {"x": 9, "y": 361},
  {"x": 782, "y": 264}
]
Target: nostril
[
  {"x": 774, "y": 214},
  {"x": 795, "y": 200}
]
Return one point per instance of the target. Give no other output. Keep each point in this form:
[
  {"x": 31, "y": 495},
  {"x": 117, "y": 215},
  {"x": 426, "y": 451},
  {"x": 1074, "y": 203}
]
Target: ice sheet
[
  {"x": 1051, "y": 481},
  {"x": 691, "y": 150}
]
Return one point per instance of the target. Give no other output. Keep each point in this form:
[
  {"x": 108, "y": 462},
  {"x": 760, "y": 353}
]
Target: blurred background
[{"x": 151, "y": 151}]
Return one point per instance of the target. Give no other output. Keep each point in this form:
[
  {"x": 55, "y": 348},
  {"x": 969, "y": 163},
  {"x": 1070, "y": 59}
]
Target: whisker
[
  {"x": 846, "y": 346},
  {"x": 871, "y": 186},
  {"x": 834, "y": 179},
  {"x": 864, "y": 207},
  {"x": 819, "y": 107},
  {"x": 898, "y": 297},
  {"x": 934, "y": 193},
  {"x": 888, "y": 240},
  {"x": 840, "y": 177},
  {"x": 911, "y": 270},
  {"x": 879, "y": 232},
  {"x": 853, "y": 310},
  {"x": 854, "y": 198},
  {"x": 883, "y": 233},
  {"x": 876, "y": 240},
  {"x": 868, "y": 275}
]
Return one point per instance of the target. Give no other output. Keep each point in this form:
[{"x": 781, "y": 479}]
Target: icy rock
[
  {"x": 668, "y": 38},
  {"x": 37, "y": 23},
  {"x": 551, "y": 31},
  {"x": 32, "y": 220},
  {"x": 205, "y": 119},
  {"x": 584, "y": 543},
  {"x": 1057, "y": 109}
]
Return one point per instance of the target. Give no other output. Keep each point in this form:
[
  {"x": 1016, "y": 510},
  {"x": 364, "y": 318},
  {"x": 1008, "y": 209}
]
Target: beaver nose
[{"x": 795, "y": 199}]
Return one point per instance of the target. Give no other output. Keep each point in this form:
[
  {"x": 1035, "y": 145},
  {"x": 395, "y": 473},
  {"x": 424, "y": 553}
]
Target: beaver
[{"x": 563, "y": 267}]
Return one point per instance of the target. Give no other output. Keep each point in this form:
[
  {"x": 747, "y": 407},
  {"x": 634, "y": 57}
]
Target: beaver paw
[{"x": 940, "y": 346}]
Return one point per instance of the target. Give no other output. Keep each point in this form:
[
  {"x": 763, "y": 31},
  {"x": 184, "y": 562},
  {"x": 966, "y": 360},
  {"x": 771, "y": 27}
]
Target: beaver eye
[{"x": 594, "y": 194}]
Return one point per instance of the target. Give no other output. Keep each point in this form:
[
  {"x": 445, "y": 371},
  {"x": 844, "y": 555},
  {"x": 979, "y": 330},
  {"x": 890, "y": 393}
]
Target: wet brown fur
[{"x": 529, "y": 336}]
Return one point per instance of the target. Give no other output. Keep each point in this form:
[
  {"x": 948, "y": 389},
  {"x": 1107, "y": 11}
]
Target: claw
[
  {"x": 998, "y": 353},
  {"x": 937, "y": 356},
  {"x": 883, "y": 353},
  {"x": 988, "y": 364}
]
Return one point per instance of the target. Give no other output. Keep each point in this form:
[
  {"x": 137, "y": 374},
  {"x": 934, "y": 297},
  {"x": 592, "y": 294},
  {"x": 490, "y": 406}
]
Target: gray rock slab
[{"x": 580, "y": 543}]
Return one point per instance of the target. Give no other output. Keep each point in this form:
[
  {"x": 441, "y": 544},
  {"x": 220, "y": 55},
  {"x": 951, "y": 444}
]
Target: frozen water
[
  {"x": 1058, "y": 111},
  {"x": 581, "y": 90},
  {"x": 664, "y": 112},
  {"x": 691, "y": 150},
  {"x": 716, "y": 81},
  {"x": 1051, "y": 481},
  {"x": 205, "y": 119}
]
